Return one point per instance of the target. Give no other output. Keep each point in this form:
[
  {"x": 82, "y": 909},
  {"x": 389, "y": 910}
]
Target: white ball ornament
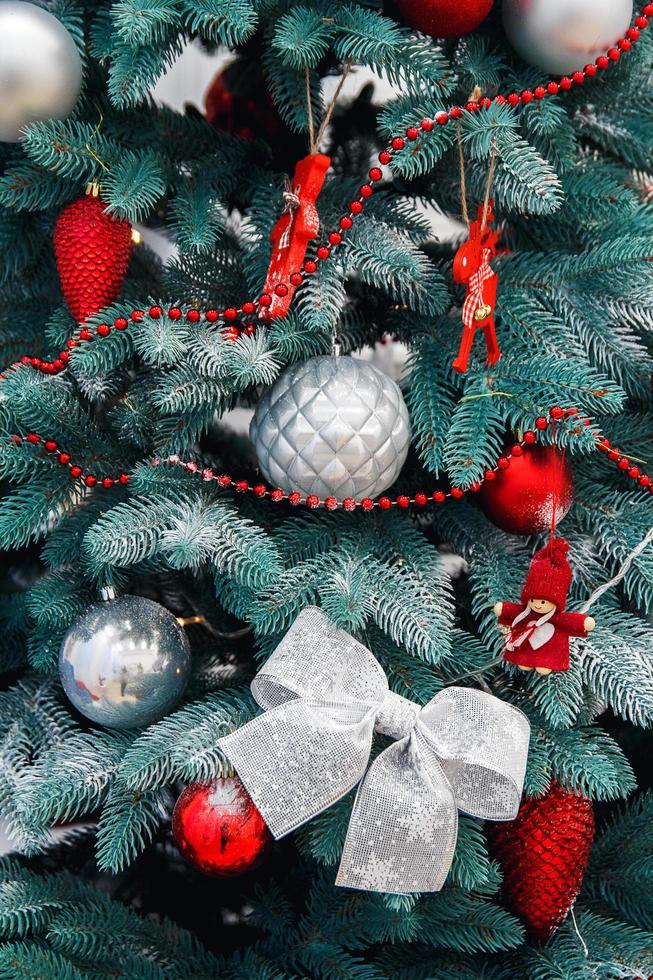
[
  {"x": 332, "y": 426},
  {"x": 125, "y": 662},
  {"x": 562, "y": 36},
  {"x": 40, "y": 68}
]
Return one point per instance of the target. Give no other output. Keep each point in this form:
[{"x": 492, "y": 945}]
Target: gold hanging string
[
  {"x": 488, "y": 186},
  {"x": 309, "y": 110},
  {"x": 463, "y": 185},
  {"x": 332, "y": 103}
]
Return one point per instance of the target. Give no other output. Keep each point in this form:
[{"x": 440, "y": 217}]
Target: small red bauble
[
  {"x": 522, "y": 498},
  {"x": 445, "y": 18},
  {"x": 218, "y": 829},
  {"x": 92, "y": 250},
  {"x": 543, "y": 854}
]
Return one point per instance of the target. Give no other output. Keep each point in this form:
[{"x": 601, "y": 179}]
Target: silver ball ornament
[
  {"x": 332, "y": 426},
  {"x": 562, "y": 36},
  {"x": 124, "y": 663},
  {"x": 40, "y": 68}
]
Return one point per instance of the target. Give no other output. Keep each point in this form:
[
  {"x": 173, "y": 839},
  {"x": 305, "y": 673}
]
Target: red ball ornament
[
  {"x": 218, "y": 829},
  {"x": 543, "y": 855},
  {"x": 524, "y": 497},
  {"x": 445, "y": 18},
  {"x": 92, "y": 250}
]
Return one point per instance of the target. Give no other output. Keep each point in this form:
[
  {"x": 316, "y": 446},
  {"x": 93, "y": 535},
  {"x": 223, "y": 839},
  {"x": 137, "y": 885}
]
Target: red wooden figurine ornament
[
  {"x": 471, "y": 268},
  {"x": 290, "y": 236}
]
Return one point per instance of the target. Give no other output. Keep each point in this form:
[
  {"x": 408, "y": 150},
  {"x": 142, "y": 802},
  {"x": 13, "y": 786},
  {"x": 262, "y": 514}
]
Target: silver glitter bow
[{"x": 325, "y": 694}]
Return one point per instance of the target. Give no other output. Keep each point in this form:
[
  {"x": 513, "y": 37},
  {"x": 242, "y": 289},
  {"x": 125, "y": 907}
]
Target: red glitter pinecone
[
  {"x": 543, "y": 855},
  {"x": 92, "y": 250}
]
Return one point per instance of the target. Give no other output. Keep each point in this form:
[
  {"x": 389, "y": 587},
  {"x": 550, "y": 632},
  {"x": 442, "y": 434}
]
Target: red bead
[
  {"x": 633, "y": 33},
  {"x": 259, "y": 489},
  {"x": 211, "y": 316},
  {"x": 552, "y": 88},
  {"x": 250, "y": 329},
  {"x": 457, "y": 493},
  {"x": 513, "y": 99},
  {"x": 527, "y": 96},
  {"x": 485, "y": 103},
  {"x": 456, "y": 112},
  {"x": 613, "y": 454},
  {"x": 644, "y": 480},
  {"x": 248, "y": 308},
  {"x": 156, "y": 312},
  {"x": 634, "y": 472},
  {"x": 51, "y": 446},
  {"x": 17, "y": 440},
  {"x": 137, "y": 315},
  {"x": 323, "y": 252},
  {"x": 614, "y": 54},
  {"x": 296, "y": 278},
  {"x": 120, "y": 323},
  {"x": 539, "y": 91},
  {"x": 578, "y": 78},
  {"x": 123, "y": 479},
  {"x": 90, "y": 480},
  {"x": 174, "y": 313},
  {"x": 335, "y": 238},
  {"x": 602, "y": 62},
  {"x": 623, "y": 463},
  {"x": 346, "y": 222},
  {"x": 330, "y": 503},
  {"x": 590, "y": 70},
  {"x": 224, "y": 480},
  {"x": 280, "y": 289},
  {"x": 641, "y": 22},
  {"x": 541, "y": 423},
  {"x": 193, "y": 316},
  {"x": 64, "y": 458},
  {"x": 503, "y": 463},
  {"x": 218, "y": 829},
  {"x": 231, "y": 313},
  {"x": 349, "y": 503},
  {"x": 427, "y": 124},
  {"x": 603, "y": 445},
  {"x": 75, "y": 471},
  {"x": 276, "y": 495},
  {"x": 48, "y": 368},
  {"x": 648, "y": 10},
  {"x": 557, "y": 413},
  {"x": 411, "y": 133},
  {"x": 35, "y": 362},
  {"x": 471, "y": 106},
  {"x": 355, "y": 207},
  {"x": 442, "y": 118},
  {"x": 367, "y": 504},
  {"x": 385, "y": 157},
  {"x": 375, "y": 174},
  {"x": 312, "y": 501},
  {"x": 242, "y": 486},
  {"x": 475, "y": 487},
  {"x": 33, "y": 438},
  {"x": 310, "y": 266},
  {"x": 529, "y": 437},
  {"x": 84, "y": 334},
  {"x": 25, "y": 359},
  {"x": 264, "y": 299},
  {"x": 104, "y": 330},
  {"x": 516, "y": 450},
  {"x": 421, "y": 499},
  {"x": 385, "y": 503},
  {"x": 70, "y": 343},
  {"x": 107, "y": 483},
  {"x": 403, "y": 501},
  {"x": 366, "y": 190},
  {"x": 294, "y": 498},
  {"x": 64, "y": 356},
  {"x": 489, "y": 475},
  {"x": 230, "y": 333},
  {"x": 624, "y": 44},
  {"x": 398, "y": 143},
  {"x": 500, "y": 99},
  {"x": 439, "y": 496},
  {"x": 565, "y": 83}
]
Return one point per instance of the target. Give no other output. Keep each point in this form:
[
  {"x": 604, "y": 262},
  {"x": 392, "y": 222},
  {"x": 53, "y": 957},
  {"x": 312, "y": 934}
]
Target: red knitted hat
[{"x": 549, "y": 576}]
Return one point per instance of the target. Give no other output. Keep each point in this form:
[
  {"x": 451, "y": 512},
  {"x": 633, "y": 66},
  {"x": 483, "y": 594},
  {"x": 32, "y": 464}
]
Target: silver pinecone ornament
[{"x": 332, "y": 426}]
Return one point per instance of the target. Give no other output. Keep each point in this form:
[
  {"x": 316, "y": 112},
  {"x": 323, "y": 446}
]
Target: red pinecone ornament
[
  {"x": 218, "y": 829},
  {"x": 543, "y": 854},
  {"x": 92, "y": 250}
]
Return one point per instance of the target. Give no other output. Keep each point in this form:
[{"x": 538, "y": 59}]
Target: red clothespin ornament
[
  {"x": 471, "y": 268},
  {"x": 298, "y": 224}
]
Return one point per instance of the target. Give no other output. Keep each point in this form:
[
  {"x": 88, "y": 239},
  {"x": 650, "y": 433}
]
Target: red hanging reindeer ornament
[
  {"x": 539, "y": 628},
  {"x": 290, "y": 236},
  {"x": 471, "y": 268}
]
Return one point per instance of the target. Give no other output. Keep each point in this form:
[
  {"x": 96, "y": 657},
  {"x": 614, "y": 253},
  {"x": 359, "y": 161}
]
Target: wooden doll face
[{"x": 541, "y": 606}]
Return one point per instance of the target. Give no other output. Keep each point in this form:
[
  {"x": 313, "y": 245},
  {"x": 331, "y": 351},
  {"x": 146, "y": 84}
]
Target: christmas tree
[{"x": 156, "y": 557}]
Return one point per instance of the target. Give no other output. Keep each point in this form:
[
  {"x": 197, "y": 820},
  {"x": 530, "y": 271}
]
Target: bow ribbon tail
[{"x": 404, "y": 824}]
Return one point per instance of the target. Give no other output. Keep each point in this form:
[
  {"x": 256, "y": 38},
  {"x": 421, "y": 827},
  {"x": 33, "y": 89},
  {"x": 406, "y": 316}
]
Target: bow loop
[{"x": 325, "y": 694}]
